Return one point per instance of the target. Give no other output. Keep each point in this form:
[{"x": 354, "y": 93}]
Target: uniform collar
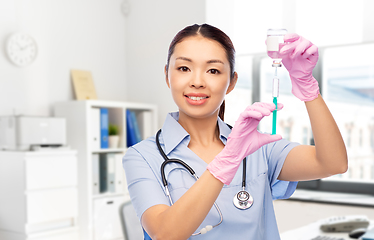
[{"x": 173, "y": 133}]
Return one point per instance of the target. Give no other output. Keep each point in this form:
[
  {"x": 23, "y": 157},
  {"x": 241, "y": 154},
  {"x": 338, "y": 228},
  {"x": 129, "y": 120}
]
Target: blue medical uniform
[{"x": 142, "y": 166}]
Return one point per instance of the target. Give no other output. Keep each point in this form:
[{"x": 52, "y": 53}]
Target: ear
[
  {"x": 166, "y": 76},
  {"x": 232, "y": 83}
]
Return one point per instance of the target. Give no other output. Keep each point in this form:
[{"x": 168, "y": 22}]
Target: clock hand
[
  {"x": 25, "y": 47},
  {"x": 19, "y": 45}
]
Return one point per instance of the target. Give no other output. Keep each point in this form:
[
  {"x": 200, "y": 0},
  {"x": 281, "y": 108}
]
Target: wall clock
[{"x": 21, "y": 49}]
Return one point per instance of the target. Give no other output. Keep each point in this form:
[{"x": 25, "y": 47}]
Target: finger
[
  {"x": 286, "y": 49},
  {"x": 267, "y": 138},
  {"x": 261, "y": 104},
  {"x": 258, "y": 110},
  {"x": 270, "y": 106},
  {"x": 279, "y": 106},
  {"x": 301, "y": 48},
  {"x": 311, "y": 50},
  {"x": 311, "y": 53},
  {"x": 251, "y": 114},
  {"x": 290, "y": 37},
  {"x": 264, "y": 110}
]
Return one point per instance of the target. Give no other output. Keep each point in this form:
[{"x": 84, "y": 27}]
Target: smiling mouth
[{"x": 196, "y": 98}]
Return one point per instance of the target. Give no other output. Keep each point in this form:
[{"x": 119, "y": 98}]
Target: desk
[
  {"x": 312, "y": 230},
  {"x": 292, "y": 214}
]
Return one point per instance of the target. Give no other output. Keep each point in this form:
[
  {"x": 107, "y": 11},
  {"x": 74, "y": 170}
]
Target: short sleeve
[
  {"x": 276, "y": 154},
  {"x": 144, "y": 188}
]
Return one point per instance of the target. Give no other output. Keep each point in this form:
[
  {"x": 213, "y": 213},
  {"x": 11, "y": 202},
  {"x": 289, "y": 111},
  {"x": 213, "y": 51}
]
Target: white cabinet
[
  {"x": 99, "y": 213},
  {"x": 39, "y": 196},
  {"x": 107, "y": 224}
]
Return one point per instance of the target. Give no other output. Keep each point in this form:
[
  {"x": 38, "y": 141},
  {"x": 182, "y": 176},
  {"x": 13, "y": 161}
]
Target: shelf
[
  {"x": 108, "y": 194},
  {"x": 83, "y": 123},
  {"x": 110, "y": 150}
]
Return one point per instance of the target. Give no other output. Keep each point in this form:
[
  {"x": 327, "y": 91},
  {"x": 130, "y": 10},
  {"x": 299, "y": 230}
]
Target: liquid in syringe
[
  {"x": 273, "y": 41},
  {"x": 275, "y": 101}
]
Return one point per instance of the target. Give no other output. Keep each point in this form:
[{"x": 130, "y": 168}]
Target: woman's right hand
[{"x": 243, "y": 140}]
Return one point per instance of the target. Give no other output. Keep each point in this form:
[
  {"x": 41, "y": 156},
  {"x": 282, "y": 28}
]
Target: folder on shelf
[
  {"x": 95, "y": 128},
  {"x": 111, "y": 166},
  {"x": 104, "y": 125},
  {"x": 136, "y": 127},
  {"x": 120, "y": 179},
  {"x": 145, "y": 121},
  {"x": 131, "y": 134},
  {"x": 103, "y": 173},
  {"x": 107, "y": 172},
  {"x": 95, "y": 173}
]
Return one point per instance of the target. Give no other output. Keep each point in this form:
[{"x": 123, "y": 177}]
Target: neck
[{"x": 203, "y": 131}]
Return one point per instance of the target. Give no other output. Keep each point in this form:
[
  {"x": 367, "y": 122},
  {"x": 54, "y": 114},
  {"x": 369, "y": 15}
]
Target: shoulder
[
  {"x": 145, "y": 151},
  {"x": 143, "y": 147},
  {"x": 280, "y": 146},
  {"x": 282, "y": 143}
]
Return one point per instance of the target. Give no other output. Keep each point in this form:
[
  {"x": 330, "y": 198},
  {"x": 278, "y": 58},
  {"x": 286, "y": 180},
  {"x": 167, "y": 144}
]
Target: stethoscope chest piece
[{"x": 243, "y": 200}]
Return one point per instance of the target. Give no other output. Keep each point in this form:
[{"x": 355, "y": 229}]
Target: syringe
[
  {"x": 275, "y": 100},
  {"x": 275, "y": 37}
]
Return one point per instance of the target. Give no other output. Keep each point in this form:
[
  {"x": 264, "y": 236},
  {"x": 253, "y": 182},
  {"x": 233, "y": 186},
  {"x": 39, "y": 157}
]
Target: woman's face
[{"x": 199, "y": 76}]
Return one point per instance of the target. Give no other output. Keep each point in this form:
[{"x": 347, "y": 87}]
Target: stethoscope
[{"x": 242, "y": 200}]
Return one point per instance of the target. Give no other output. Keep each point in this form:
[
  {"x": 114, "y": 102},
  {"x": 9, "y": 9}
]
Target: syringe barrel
[{"x": 275, "y": 87}]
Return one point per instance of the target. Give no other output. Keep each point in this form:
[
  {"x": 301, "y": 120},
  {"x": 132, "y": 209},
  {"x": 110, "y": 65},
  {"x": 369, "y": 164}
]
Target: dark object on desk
[
  {"x": 357, "y": 232},
  {"x": 369, "y": 235}
]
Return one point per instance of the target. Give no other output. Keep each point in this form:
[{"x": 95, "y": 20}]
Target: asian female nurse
[{"x": 200, "y": 72}]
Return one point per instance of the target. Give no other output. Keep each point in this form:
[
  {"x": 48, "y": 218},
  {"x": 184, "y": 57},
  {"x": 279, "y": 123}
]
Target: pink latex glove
[
  {"x": 243, "y": 140},
  {"x": 300, "y": 56}
]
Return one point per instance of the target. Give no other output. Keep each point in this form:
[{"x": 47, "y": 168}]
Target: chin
[{"x": 199, "y": 114}]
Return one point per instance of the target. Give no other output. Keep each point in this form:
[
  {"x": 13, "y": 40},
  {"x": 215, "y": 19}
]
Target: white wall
[
  {"x": 84, "y": 34},
  {"x": 368, "y": 21},
  {"x": 151, "y": 25},
  {"x": 126, "y": 55}
]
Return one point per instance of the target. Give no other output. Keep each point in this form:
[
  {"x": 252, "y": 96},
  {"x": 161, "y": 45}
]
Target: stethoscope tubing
[{"x": 192, "y": 172}]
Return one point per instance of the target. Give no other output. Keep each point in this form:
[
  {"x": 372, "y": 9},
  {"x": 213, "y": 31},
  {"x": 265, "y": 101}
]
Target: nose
[{"x": 197, "y": 80}]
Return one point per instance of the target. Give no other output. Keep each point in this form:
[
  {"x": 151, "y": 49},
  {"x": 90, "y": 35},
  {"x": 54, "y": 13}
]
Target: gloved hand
[
  {"x": 243, "y": 140},
  {"x": 300, "y": 56}
]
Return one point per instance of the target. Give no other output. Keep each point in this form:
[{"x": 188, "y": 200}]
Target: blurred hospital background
[{"x": 124, "y": 44}]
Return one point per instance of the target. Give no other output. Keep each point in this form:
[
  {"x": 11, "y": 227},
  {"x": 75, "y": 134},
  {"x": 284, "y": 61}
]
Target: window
[
  {"x": 293, "y": 119},
  {"x": 348, "y": 90},
  {"x": 306, "y": 140},
  {"x": 352, "y": 106},
  {"x": 241, "y": 96},
  {"x": 345, "y": 74}
]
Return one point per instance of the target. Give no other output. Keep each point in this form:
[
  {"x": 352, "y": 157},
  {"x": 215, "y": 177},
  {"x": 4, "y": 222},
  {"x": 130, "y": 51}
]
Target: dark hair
[{"x": 210, "y": 32}]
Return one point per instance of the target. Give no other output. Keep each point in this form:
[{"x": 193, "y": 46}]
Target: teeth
[{"x": 196, "y": 98}]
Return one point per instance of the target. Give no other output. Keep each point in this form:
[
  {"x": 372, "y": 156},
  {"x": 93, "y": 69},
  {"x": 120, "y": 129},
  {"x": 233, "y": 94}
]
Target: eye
[
  {"x": 183, "y": 69},
  {"x": 214, "y": 71}
]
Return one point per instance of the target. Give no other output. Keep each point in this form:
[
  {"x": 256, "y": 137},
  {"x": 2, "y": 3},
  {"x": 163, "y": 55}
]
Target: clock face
[{"x": 21, "y": 49}]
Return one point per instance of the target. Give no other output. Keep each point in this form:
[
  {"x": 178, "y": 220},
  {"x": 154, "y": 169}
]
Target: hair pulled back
[{"x": 212, "y": 33}]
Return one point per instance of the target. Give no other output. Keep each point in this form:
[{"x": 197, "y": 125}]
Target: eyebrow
[
  {"x": 184, "y": 58},
  {"x": 189, "y": 60},
  {"x": 215, "y": 61}
]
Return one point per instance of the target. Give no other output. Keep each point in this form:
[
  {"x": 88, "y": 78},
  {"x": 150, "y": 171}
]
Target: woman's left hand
[
  {"x": 300, "y": 56},
  {"x": 243, "y": 140}
]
